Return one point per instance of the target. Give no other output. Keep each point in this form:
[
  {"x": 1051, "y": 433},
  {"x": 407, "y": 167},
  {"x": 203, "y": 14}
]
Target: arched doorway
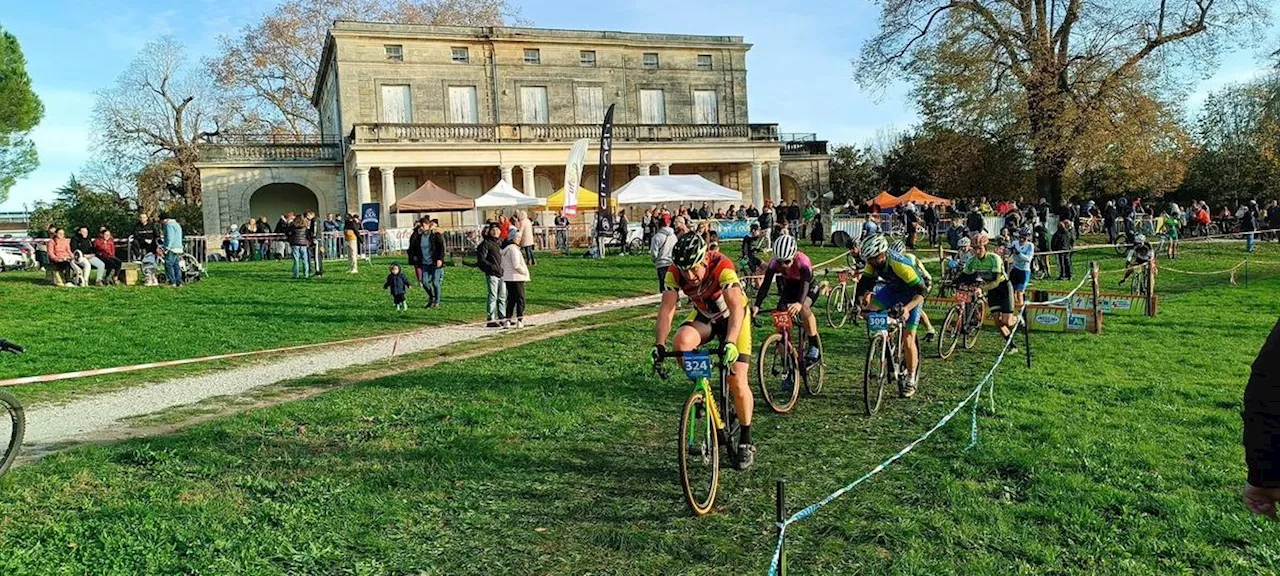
[
  {"x": 273, "y": 200},
  {"x": 791, "y": 190}
]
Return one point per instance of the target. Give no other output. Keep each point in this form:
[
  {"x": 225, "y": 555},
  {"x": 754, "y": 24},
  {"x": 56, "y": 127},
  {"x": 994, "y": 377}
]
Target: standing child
[
  {"x": 399, "y": 284},
  {"x": 515, "y": 273}
]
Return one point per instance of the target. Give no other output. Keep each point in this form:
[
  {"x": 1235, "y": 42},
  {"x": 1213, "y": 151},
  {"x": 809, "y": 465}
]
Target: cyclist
[
  {"x": 1022, "y": 251},
  {"x": 755, "y": 252},
  {"x": 954, "y": 263},
  {"x": 901, "y": 248},
  {"x": 986, "y": 270},
  {"x": 712, "y": 285},
  {"x": 796, "y": 289},
  {"x": 1170, "y": 225},
  {"x": 903, "y": 286},
  {"x": 1139, "y": 256}
]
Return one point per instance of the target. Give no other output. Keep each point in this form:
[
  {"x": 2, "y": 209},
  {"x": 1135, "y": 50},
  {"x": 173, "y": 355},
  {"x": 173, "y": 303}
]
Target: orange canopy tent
[
  {"x": 431, "y": 198},
  {"x": 884, "y": 200},
  {"x": 921, "y": 197}
]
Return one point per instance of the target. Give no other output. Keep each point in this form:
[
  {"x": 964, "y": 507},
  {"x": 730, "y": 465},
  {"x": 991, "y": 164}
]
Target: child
[
  {"x": 515, "y": 273},
  {"x": 399, "y": 284}
]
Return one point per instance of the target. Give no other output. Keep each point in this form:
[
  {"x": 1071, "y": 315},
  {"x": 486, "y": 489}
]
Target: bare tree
[
  {"x": 273, "y": 63},
  {"x": 1056, "y": 67},
  {"x": 156, "y": 112}
]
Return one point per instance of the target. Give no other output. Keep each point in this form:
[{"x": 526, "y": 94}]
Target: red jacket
[{"x": 104, "y": 247}]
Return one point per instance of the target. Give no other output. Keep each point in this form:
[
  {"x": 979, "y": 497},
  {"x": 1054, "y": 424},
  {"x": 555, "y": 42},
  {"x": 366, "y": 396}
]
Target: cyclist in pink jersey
[{"x": 796, "y": 289}]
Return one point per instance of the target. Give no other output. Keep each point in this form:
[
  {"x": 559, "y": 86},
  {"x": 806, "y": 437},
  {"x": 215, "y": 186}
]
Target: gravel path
[{"x": 91, "y": 417}]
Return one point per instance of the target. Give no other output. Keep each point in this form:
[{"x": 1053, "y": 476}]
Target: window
[
  {"x": 462, "y": 105},
  {"x": 396, "y": 104},
  {"x": 590, "y": 104},
  {"x": 705, "y": 110},
  {"x": 533, "y": 105},
  {"x": 650, "y": 60},
  {"x": 461, "y": 55},
  {"x": 532, "y": 56},
  {"x": 653, "y": 107},
  {"x": 704, "y": 61},
  {"x": 395, "y": 52},
  {"x": 587, "y": 58}
]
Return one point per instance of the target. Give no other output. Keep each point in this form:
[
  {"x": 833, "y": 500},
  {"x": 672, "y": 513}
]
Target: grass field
[{"x": 1114, "y": 454}]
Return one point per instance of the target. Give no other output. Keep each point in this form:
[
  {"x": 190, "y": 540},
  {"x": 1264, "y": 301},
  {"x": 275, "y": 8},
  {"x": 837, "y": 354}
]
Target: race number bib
[
  {"x": 697, "y": 365},
  {"x": 845, "y": 277},
  {"x": 782, "y": 320},
  {"x": 963, "y": 297},
  {"x": 878, "y": 322}
]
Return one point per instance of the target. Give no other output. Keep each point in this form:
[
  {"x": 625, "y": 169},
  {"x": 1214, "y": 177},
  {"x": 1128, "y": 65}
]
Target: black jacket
[
  {"x": 84, "y": 245},
  {"x": 398, "y": 283},
  {"x": 489, "y": 257},
  {"x": 145, "y": 235},
  {"x": 282, "y": 226},
  {"x": 1262, "y": 415},
  {"x": 415, "y": 247},
  {"x": 315, "y": 231},
  {"x": 298, "y": 232},
  {"x": 1063, "y": 240},
  {"x": 1248, "y": 222},
  {"x": 437, "y": 249},
  {"x": 974, "y": 222}
]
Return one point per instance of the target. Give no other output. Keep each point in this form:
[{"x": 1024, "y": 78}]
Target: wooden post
[
  {"x": 942, "y": 257},
  {"x": 1151, "y": 288},
  {"x": 781, "y": 515},
  {"x": 1097, "y": 304}
]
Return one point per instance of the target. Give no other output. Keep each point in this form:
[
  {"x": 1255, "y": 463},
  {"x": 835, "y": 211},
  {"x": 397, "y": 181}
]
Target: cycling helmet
[
  {"x": 963, "y": 244},
  {"x": 690, "y": 250},
  {"x": 1140, "y": 239},
  {"x": 1024, "y": 232},
  {"x": 784, "y": 248},
  {"x": 898, "y": 246},
  {"x": 874, "y": 245},
  {"x": 981, "y": 240}
]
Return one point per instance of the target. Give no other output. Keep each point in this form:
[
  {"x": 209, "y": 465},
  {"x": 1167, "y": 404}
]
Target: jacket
[
  {"x": 1063, "y": 240},
  {"x": 60, "y": 250},
  {"x": 661, "y": 246},
  {"x": 82, "y": 245},
  {"x": 433, "y": 249},
  {"x": 146, "y": 235},
  {"x": 173, "y": 236},
  {"x": 974, "y": 222},
  {"x": 104, "y": 248},
  {"x": 525, "y": 237},
  {"x": 513, "y": 266},
  {"x": 298, "y": 232},
  {"x": 415, "y": 247},
  {"x": 1261, "y": 415},
  {"x": 489, "y": 257},
  {"x": 397, "y": 282},
  {"x": 282, "y": 226},
  {"x": 315, "y": 231}
]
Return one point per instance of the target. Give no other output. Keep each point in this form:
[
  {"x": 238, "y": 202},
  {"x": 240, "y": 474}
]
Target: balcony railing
[
  {"x": 804, "y": 148},
  {"x": 434, "y": 133},
  {"x": 250, "y": 152}
]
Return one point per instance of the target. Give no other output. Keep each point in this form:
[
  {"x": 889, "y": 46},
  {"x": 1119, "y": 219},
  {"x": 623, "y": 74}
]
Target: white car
[{"x": 11, "y": 258}]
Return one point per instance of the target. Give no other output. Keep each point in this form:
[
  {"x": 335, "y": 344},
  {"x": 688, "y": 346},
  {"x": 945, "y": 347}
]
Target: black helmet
[{"x": 690, "y": 251}]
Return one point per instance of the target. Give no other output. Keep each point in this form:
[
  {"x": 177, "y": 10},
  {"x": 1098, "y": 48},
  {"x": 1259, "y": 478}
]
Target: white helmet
[
  {"x": 898, "y": 246},
  {"x": 874, "y": 245},
  {"x": 964, "y": 243},
  {"x": 784, "y": 248},
  {"x": 1140, "y": 239}
]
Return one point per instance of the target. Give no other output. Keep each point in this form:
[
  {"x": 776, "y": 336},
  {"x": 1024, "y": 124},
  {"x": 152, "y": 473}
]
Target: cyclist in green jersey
[
  {"x": 986, "y": 269},
  {"x": 1169, "y": 227}
]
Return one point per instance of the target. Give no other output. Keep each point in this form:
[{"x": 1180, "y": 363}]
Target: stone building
[{"x": 465, "y": 106}]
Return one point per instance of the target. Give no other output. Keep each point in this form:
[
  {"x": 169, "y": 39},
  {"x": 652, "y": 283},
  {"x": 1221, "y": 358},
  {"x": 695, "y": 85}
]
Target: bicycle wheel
[
  {"x": 699, "y": 449},
  {"x": 950, "y": 334},
  {"x": 815, "y": 375},
  {"x": 838, "y": 306},
  {"x": 875, "y": 373},
  {"x": 13, "y": 425},
  {"x": 778, "y": 370},
  {"x": 972, "y": 325}
]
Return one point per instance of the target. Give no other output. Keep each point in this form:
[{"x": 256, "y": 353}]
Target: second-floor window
[
  {"x": 590, "y": 104},
  {"x": 587, "y": 58},
  {"x": 532, "y": 56},
  {"x": 650, "y": 60},
  {"x": 533, "y": 105},
  {"x": 397, "y": 104},
  {"x": 462, "y": 105},
  {"x": 653, "y": 107},
  {"x": 395, "y": 52},
  {"x": 704, "y": 61},
  {"x": 461, "y": 55},
  {"x": 705, "y": 108}
]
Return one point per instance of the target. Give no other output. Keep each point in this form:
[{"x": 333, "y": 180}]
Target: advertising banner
[
  {"x": 732, "y": 229},
  {"x": 369, "y": 220},
  {"x": 606, "y": 160},
  {"x": 573, "y": 176}
]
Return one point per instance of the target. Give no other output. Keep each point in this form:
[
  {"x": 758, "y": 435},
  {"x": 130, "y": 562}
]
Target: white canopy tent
[
  {"x": 676, "y": 189},
  {"x": 504, "y": 195}
]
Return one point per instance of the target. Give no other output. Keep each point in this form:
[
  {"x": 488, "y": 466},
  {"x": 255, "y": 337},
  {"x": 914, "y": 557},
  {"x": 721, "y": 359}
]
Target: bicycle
[
  {"x": 1141, "y": 286},
  {"x": 780, "y": 359},
  {"x": 840, "y": 303},
  {"x": 1040, "y": 267},
  {"x": 963, "y": 322},
  {"x": 14, "y": 427},
  {"x": 703, "y": 426},
  {"x": 884, "y": 357}
]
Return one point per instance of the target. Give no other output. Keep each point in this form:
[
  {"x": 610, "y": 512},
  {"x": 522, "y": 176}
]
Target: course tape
[{"x": 975, "y": 396}]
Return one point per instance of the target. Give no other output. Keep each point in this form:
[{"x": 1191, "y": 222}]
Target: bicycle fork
[{"x": 712, "y": 409}]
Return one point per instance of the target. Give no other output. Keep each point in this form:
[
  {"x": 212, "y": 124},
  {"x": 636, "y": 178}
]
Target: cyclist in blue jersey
[
  {"x": 903, "y": 286},
  {"x": 1022, "y": 251}
]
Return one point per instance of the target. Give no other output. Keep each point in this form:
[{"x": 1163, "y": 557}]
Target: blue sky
[{"x": 799, "y": 71}]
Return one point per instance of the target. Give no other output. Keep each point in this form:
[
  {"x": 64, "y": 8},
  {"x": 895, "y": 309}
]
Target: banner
[
  {"x": 732, "y": 229},
  {"x": 573, "y": 176},
  {"x": 369, "y": 220},
  {"x": 606, "y": 155}
]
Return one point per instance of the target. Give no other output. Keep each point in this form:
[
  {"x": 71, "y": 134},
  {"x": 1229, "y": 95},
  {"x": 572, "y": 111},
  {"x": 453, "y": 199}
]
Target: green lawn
[{"x": 1114, "y": 454}]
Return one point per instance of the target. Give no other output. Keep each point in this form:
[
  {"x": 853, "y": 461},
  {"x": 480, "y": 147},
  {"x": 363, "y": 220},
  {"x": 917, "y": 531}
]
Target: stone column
[
  {"x": 363, "y": 196},
  {"x": 664, "y": 168},
  {"x": 757, "y": 186},
  {"x": 530, "y": 185},
  {"x": 506, "y": 173},
  {"x": 775, "y": 183},
  {"x": 388, "y": 195},
  {"x": 644, "y": 169}
]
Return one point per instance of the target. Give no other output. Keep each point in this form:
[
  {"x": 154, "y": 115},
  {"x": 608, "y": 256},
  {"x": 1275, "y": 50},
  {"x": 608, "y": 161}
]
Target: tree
[
  {"x": 1239, "y": 155},
  {"x": 20, "y": 112},
  {"x": 157, "y": 111},
  {"x": 77, "y": 204},
  {"x": 1056, "y": 74},
  {"x": 853, "y": 175},
  {"x": 273, "y": 64}
]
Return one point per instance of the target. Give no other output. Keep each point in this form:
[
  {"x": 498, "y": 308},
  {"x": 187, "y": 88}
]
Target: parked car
[{"x": 12, "y": 258}]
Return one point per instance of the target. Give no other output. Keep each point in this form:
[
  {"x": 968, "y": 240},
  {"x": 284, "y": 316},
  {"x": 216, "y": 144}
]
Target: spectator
[
  {"x": 930, "y": 217},
  {"x": 282, "y": 230},
  {"x": 660, "y": 246},
  {"x": 1261, "y": 417},
  {"x": 42, "y": 248},
  {"x": 1064, "y": 241},
  {"x": 250, "y": 227},
  {"x": 622, "y": 229},
  {"x": 414, "y": 250},
  {"x": 264, "y": 244},
  {"x": 703, "y": 212},
  {"x": 648, "y": 225},
  {"x": 433, "y": 260},
  {"x": 793, "y": 213},
  {"x": 515, "y": 274},
  {"x": 766, "y": 222},
  {"x": 83, "y": 244},
  {"x": 315, "y": 238},
  {"x": 526, "y": 239},
  {"x": 504, "y": 226},
  {"x": 489, "y": 260},
  {"x": 1249, "y": 224},
  {"x": 1109, "y": 216},
  {"x": 171, "y": 246},
  {"x": 60, "y": 258},
  {"x": 974, "y": 221},
  {"x": 231, "y": 244},
  {"x": 913, "y": 225},
  {"x": 399, "y": 285},
  {"x": 817, "y": 230},
  {"x": 351, "y": 233},
  {"x": 146, "y": 234},
  {"x": 104, "y": 247},
  {"x": 603, "y": 230},
  {"x": 562, "y": 232},
  {"x": 1273, "y": 219},
  {"x": 298, "y": 231},
  {"x": 331, "y": 228}
]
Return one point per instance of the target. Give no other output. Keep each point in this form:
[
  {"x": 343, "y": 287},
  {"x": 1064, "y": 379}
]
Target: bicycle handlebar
[{"x": 7, "y": 346}]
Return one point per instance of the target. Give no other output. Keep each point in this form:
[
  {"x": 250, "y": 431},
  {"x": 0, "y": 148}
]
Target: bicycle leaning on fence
[
  {"x": 13, "y": 423},
  {"x": 708, "y": 421}
]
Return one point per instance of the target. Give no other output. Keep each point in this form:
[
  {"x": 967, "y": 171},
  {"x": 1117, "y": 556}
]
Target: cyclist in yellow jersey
[
  {"x": 903, "y": 287},
  {"x": 900, "y": 247},
  {"x": 720, "y": 311}
]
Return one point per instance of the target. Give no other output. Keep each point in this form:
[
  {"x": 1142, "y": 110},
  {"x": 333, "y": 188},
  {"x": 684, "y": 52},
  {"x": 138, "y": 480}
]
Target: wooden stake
[{"x": 1097, "y": 304}]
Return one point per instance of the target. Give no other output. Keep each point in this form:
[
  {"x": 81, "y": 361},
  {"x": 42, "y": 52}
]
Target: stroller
[{"x": 190, "y": 268}]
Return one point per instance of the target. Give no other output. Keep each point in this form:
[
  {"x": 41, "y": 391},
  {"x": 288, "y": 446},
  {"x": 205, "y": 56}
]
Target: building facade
[{"x": 464, "y": 107}]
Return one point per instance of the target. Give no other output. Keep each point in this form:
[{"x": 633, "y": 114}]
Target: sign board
[
  {"x": 732, "y": 229},
  {"x": 370, "y": 221},
  {"x": 1040, "y": 318}
]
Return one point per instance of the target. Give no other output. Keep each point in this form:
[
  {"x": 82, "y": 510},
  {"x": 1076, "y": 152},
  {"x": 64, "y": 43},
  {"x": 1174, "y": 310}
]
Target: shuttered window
[
  {"x": 590, "y": 104},
  {"x": 705, "y": 107},
  {"x": 533, "y": 105},
  {"x": 396, "y": 104},
  {"x": 462, "y": 105},
  {"x": 653, "y": 107}
]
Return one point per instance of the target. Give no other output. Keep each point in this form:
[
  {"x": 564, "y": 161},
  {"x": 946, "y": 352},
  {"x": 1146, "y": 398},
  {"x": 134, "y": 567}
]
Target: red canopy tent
[
  {"x": 884, "y": 200},
  {"x": 431, "y": 198},
  {"x": 921, "y": 197}
]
